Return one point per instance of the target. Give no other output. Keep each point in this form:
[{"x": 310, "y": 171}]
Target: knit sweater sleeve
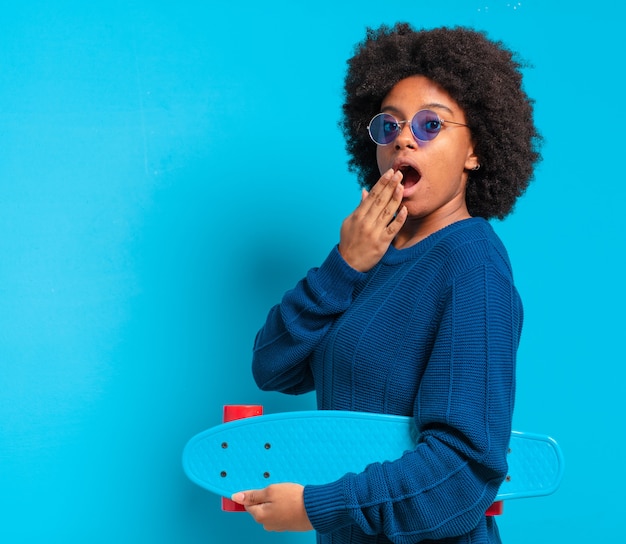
[
  {"x": 296, "y": 326},
  {"x": 463, "y": 410}
]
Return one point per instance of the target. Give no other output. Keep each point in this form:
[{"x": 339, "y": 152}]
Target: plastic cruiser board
[{"x": 316, "y": 447}]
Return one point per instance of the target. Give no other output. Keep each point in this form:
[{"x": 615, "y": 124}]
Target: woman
[{"x": 414, "y": 312}]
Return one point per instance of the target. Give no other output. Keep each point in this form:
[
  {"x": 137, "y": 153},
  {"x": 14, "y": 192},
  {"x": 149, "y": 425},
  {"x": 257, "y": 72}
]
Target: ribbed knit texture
[{"x": 431, "y": 332}]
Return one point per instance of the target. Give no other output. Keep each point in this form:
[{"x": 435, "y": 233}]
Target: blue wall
[{"x": 146, "y": 227}]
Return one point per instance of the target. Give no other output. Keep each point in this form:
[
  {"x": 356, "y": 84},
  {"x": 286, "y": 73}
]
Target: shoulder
[{"x": 468, "y": 244}]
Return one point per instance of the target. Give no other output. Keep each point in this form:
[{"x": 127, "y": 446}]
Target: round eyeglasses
[{"x": 425, "y": 125}]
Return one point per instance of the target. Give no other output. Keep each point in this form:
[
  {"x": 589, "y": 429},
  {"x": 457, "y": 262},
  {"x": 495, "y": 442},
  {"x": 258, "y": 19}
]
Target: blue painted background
[{"x": 147, "y": 225}]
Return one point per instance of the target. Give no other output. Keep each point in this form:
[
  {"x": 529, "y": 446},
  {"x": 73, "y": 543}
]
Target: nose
[{"x": 405, "y": 138}]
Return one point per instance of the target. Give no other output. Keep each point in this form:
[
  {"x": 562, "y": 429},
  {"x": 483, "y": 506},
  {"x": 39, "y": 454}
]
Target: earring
[{"x": 477, "y": 167}]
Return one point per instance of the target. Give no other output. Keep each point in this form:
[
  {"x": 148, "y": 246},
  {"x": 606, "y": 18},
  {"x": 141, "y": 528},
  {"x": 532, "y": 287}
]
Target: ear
[{"x": 472, "y": 162}]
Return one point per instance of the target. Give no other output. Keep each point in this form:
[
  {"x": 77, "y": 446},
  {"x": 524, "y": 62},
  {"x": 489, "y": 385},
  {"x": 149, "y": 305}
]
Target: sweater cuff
[
  {"x": 334, "y": 280},
  {"x": 326, "y": 506}
]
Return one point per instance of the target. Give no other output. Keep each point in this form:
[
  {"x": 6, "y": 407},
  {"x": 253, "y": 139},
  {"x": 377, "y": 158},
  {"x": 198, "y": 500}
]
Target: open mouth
[{"x": 410, "y": 176}]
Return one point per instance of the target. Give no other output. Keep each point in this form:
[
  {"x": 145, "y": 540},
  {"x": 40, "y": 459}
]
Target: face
[{"x": 435, "y": 172}]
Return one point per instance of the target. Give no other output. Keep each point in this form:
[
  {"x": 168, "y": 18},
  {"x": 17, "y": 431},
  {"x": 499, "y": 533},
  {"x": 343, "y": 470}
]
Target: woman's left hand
[{"x": 278, "y": 507}]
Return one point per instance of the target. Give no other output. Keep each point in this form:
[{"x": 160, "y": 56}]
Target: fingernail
[{"x": 238, "y": 497}]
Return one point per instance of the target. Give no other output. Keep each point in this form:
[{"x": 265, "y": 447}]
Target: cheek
[{"x": 381, "y": 161}]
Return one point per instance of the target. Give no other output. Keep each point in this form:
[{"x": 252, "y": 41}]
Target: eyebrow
[{"x": 432, "y": 105}]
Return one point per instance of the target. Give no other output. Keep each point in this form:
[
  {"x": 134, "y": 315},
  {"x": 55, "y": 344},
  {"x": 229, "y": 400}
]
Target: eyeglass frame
[{"x": 401, "y": 124}]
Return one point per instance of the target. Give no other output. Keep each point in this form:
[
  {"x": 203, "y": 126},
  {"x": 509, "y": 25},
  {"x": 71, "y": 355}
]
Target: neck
[{"x": 417, "y": 229}]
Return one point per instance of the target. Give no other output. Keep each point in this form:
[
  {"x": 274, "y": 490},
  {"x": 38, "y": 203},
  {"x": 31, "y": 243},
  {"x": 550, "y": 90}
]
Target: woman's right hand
[{"x": 368, "y": 231}]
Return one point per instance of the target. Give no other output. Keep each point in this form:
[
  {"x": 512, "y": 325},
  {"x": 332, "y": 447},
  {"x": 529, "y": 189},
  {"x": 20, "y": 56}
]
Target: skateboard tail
[{"x": 536, "y": 466}]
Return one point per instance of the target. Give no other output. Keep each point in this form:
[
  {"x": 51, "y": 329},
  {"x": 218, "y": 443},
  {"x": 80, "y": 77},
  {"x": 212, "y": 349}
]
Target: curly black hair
[{"x": 481, "y": 75}]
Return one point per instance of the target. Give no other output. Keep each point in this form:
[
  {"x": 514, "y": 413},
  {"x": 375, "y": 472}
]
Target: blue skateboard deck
[{"x": 316, "y": 447}]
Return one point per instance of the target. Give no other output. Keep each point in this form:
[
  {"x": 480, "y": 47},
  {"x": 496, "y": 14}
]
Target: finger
[
  {"x": 249, "y": 498},
  {"x": 394, "y": 227},
  {"x": 258, "y": 513},
  {"x": 382, "y": 217},
  {"x": 239, "y": 498},
  {"x": 389, "y": 193},
  {"x": 378, "y": 192}
]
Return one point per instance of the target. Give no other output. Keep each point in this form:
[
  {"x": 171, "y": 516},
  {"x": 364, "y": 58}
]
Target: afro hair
[{"x": 481, "y": 75}]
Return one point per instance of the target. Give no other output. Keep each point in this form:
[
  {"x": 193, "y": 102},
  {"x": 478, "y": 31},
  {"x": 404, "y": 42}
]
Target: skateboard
[{"x": 316, "y": 447}]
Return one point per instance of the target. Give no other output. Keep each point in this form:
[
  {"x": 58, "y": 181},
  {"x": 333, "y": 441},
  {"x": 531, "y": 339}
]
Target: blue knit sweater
[{"x": 431, "y": 332}]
